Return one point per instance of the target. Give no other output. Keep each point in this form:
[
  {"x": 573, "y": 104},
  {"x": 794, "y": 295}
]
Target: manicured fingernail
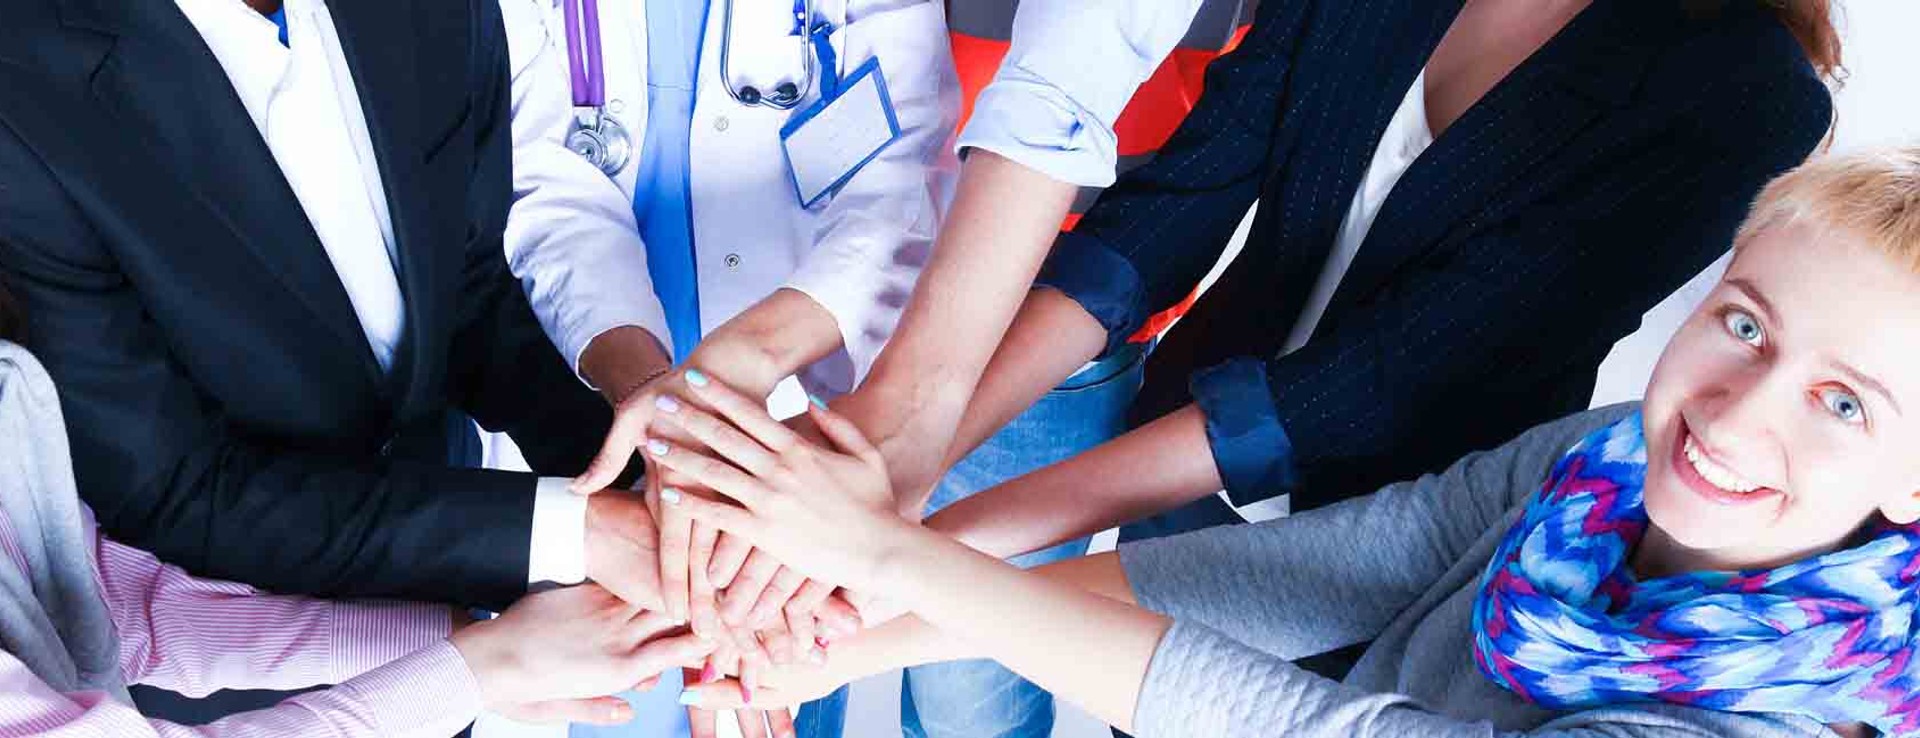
[
  {"x": 657, "y": 448},
  {"x": 671, "y": 496},
  {"x": 689, "y": 698},
  {"x": 695, "y": 378},
  {"x": 709, "y": 675},
  {"x": 666, "y": 403},
  {"x": 817, "y": 402},
  {"x": 746, "y": 693},
  {"x": 822, "y": 642}
]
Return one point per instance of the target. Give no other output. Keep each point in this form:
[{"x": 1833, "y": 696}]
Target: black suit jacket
[
  {"x": 225, "y": 409},
  {"x": 1607, "y": 169}
]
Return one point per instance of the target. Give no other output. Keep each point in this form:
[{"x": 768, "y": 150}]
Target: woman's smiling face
[{"x": 1786, "y": 411}]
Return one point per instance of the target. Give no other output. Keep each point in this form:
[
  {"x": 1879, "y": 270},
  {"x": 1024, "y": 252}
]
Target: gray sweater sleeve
[
  {"x": 1336, "y": 576},
  {"x": 1202, "y": 683}
]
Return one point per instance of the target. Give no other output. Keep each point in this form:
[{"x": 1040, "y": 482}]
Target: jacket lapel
[
  {"x": 1553, "y": 96},
  {"x": 379, "y": 41},
  {"x": 181, "y": 126}
]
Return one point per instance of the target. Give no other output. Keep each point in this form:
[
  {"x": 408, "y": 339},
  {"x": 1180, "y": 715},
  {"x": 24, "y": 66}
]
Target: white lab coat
[{"x": 571, "y": 237}]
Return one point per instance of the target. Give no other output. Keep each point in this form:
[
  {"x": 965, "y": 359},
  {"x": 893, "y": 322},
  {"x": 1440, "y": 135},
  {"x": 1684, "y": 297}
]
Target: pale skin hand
[
  {"x": 828, "y": 512},
  {"x": 559, "y": 655},
  {"x": 754, "y": 351}
]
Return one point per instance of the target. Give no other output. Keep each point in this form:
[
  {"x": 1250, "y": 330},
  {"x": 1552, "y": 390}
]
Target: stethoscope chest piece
[{"x": 601, "y": 140}]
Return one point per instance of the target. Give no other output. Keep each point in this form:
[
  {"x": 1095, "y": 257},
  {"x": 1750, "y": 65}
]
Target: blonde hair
[{"x": 1873, "y": 196}]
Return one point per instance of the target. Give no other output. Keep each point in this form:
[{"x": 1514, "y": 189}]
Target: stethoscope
[{"x": 598, "y": 137}]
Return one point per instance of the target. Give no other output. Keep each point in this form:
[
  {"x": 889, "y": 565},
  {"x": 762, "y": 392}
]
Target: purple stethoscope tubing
[{"x": 589, "y": 83}]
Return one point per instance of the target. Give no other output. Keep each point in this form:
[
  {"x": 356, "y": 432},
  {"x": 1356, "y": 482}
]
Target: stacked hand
[
  {"x": 826, "y": 510},
  {"x": 560, "y": 655},
  {"x": 758, "y": 612}
]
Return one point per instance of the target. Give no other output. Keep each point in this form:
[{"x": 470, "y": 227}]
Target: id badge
[{"x": 829, "y": 142}]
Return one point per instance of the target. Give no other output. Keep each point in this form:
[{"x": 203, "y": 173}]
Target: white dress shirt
[
  {"x": 302, "y": 98},
  {"x": 1407, "y": 136},
  {"x": 1070, "y": 71}
]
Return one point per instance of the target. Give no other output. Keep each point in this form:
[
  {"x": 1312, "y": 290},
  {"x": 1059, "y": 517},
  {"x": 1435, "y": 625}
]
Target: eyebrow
[
  {"x": 1861, "y": 378},
  {"x": 1753, "y": 293}
]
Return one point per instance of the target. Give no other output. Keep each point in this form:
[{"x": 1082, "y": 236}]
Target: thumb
[
  {"x": 628, "y": 432},
  {"x": 723, "y": 694},
  {"x": 659, "y": 655},
  {"x": 592, "y": 711}
]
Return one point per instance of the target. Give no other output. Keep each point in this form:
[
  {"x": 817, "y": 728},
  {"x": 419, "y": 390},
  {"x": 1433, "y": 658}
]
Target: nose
[{"x": 1740, "y": 417}]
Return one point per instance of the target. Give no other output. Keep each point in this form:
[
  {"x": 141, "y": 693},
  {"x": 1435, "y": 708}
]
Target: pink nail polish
[
  {"x": 822, "y": 642},
  {"x": 746, "y": 693},
  {"x": 709, "y": 675}
]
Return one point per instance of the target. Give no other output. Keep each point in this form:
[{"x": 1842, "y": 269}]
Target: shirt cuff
[
  {"x": 369, "y": 635},
  {"x": 1250, "y": 447},
  {"x": 1105, "y": 284},
  {"x": 1025, "y": 119},
  {"x": 431, "y": 692},
  {"x": 558, "y": 552}
]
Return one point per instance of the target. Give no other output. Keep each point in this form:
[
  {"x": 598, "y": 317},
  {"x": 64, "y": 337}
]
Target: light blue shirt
[
  {"x": 1072, "y": 67},
  {"x": 663, "y": 200}
]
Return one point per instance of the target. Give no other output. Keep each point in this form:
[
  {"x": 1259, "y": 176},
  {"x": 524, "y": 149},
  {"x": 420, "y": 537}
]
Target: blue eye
[
  {"x": 1843, "y": 404},
  {"x": 1742, "y": 325}
]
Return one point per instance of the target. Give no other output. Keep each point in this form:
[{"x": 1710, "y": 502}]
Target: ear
[{"x": 1902, "y": 509}]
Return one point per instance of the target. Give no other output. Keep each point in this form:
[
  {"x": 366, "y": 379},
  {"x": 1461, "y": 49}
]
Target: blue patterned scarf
[{"x": 1562, "y": 622}]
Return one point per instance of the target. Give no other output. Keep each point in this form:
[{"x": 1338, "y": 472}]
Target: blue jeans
[{"x": 981, "y": 699}]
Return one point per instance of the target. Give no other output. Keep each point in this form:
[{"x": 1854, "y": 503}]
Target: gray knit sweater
[{"x": 1400, "y": 567}]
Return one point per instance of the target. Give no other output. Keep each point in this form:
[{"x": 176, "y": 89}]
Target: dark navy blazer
[
  {"x": 1607, "y": 169},
  {"x": 225, "y": 409}
]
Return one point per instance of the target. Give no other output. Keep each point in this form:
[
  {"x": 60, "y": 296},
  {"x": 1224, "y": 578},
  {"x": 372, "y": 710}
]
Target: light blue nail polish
[
  {"x": 657, "y": 448},
  {"x": 670, "y": 496},
  {"x": 695, "y": 378},
  {"x": 667, "y": 404},
  {"x": 817, "y": 402},
  {"x": 689, "y": 698}
]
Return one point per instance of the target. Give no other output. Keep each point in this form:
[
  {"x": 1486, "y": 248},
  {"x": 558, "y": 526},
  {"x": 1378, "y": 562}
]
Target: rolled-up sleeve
[
  {"x": 1072, "y": 67},
  {"x": 1250, "y": 445}
]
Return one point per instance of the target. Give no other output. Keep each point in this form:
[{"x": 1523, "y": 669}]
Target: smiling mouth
[{"x": 1710, "y": 478}]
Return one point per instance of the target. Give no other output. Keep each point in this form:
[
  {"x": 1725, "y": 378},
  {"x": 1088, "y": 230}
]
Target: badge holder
[{"x": 832, "y": 140}]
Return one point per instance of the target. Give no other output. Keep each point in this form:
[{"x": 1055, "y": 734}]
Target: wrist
[
  {"x": 488, "y": 658},
  {"x": 622, "y": 360}
]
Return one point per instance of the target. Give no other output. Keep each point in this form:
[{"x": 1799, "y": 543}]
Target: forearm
[
  {"x": 1051, "y": 338},
  {"x": 1155, "y": 468},
  {"x": 1002, "y": 223},
  {"x": 1070, "y": 629},
  {"x": 777, "y": 336}
]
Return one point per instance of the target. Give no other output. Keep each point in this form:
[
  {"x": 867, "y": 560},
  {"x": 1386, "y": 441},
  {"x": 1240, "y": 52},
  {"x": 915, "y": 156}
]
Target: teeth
[{"x": 1715, "y": 474}]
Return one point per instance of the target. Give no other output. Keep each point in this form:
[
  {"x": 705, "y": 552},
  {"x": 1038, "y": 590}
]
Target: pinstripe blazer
[{"x": 1597, "y": 177}]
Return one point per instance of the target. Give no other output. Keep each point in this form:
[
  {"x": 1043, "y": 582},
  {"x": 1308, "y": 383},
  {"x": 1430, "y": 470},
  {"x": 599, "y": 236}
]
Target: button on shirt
[
  {"x": 302, "y": 99},
  {"x": 1071, "y": 68}
]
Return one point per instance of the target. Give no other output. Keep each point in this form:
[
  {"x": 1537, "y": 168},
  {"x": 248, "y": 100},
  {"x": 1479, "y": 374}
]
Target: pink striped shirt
[{"x": 396, "y": 673}]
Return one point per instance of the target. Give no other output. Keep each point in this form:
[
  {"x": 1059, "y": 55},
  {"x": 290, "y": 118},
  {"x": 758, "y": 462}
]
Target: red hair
[{"x": 1811, "y": 22}]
